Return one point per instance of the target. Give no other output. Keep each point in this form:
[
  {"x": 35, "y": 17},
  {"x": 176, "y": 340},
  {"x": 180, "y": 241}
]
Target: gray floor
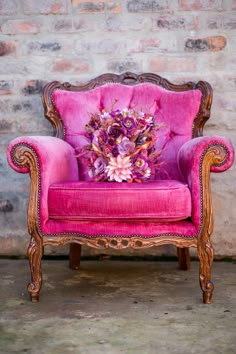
[{"x": 117, "y": 307}]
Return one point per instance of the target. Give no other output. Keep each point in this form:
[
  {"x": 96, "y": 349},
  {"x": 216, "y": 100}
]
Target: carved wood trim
[
  {"x": 102, "y": 242},
  {"x": 24, "y": 156},
  {"x": 215, "y": 155},
  {"x": 128, "y": 78}
]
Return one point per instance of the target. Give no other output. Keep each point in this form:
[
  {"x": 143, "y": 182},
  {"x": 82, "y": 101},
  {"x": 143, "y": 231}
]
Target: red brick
[
  {"x": 70, "y": 65},
  {"x": 45, "y": 7},
  {"x": 61, "y": 25},
  {"x": 84, "y": 24},
  {"x": 233, "y": 4},
  {"x": 84, "y": 6},
  {"x": 33, "y": 87},
  {"x": 114, "y": 23},
  {"x": 105, "y": 46},
  {"x": 120, "y": 66},
  {"x": 6, "y": 87},
  {"x": 172, "y": 64},
  {"x": 216, "y": 43},
  {"x": 202, "y": 5},
  {"x": 213, "y": 22},
  {"x": 6, "y": 126},
  {"x": 7, "y": 48},
  {"x": 175, "y": 23},
  {"x": 229, "y": 22},
  {"x": 8, "y": 7},
  {"x": 146, "y": 5},
  {"x": 145, "y": 45},
  {"x": 212, "y": 44},
  {"x": 20, "y": 27},
  {"x": 42, "y": 47}
]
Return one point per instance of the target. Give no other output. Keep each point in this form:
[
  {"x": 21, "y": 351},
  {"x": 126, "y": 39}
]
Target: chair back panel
[{"x": 181, "y": 110}]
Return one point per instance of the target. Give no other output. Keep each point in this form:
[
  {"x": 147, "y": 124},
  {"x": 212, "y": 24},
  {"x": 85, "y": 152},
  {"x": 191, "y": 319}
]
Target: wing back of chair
[{"x": 181, "y": 110}]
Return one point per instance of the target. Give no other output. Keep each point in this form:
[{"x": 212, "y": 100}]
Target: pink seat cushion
[{"x": 164, "y": 200}]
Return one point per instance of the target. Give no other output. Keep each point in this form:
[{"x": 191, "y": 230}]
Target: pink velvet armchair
[{"x": 67, "y": 206}]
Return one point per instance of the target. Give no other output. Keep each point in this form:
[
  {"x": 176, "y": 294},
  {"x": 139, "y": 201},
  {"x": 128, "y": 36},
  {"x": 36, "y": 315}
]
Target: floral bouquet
[{"x": 121, "y": 146}]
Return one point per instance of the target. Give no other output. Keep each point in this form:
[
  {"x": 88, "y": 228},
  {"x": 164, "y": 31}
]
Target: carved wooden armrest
[
  {"x": 196, "y": 159},
  {"x": 48, "y": 160},
  {"x": 52, "y": 156},
  {"x": 215, "y": 152}
]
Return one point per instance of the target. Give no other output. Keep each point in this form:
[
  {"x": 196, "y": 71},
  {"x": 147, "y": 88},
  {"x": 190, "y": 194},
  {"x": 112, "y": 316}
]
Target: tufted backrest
[{"x": 176, "y": 112}]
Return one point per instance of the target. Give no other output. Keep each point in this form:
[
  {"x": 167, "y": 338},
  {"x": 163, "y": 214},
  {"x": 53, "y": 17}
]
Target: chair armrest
[
  {"x": 56, "y": 158},
  {"x": 196, "y": 159},
  {"x": 193, "y": 151},
  {"x": 48, "y": 160}
]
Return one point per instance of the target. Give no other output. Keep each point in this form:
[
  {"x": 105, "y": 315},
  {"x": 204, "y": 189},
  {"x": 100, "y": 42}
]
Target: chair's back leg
[
  {"x": 75, "y": 252},
  {"x": 183, "y": 258}
]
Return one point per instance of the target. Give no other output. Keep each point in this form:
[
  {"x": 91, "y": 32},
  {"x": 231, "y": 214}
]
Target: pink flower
[
  {"x": 119, "y": 169},
  {"x": 99, "y": 165},
  {"x": 128, "y": 123},
  {"x": 126, "y": 146}
]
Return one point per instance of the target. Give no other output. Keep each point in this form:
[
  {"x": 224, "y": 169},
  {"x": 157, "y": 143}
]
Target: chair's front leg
[
  {"x": 35, "y": 252},
  {"x": 205, "y": 254}
]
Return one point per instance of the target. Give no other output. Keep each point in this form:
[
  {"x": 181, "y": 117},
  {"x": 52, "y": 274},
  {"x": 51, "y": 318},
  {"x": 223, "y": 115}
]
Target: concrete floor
[{"x": 117, "y": 307}]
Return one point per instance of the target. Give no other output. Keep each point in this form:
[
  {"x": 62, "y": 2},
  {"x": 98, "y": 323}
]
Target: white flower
[
  {"x": 91, "y": 173},
  {"x": 125, "y": 110},
  {"x": 147, "y": 173},
  {"x": 149, "y": 119},
  {"x": 105, "y": 115},
  {"x": 119, "y": 168}
]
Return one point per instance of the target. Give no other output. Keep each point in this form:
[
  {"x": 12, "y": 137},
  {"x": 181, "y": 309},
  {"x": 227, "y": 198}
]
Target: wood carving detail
[
  {"x": 24, "y": 156},
  {"x": 119, "y": 243},
  {"x": 35, "y": 252},
  {"x": 215, "y": 155}
]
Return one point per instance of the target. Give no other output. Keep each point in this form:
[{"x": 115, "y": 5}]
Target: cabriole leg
[
  {"x": 206, "y": 254},
  {"x": 35, "y": 252}
]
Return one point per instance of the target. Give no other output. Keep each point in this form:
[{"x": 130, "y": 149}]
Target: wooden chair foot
[
  {"x": 34, "y": 297},
  {"x": 207, "y": 297}
]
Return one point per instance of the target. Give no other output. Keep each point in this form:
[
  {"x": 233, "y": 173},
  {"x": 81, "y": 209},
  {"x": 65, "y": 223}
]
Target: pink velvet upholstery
[
  {"x": 119, "y": 201},
  {"x": 189, "y": 162},
  {"x": 57, "y": 163},
  {"x": 176, "y": 110}
]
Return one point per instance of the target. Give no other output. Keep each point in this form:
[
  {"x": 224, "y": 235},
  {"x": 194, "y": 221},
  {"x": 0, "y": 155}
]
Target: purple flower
[
  {"x": 140, "y": 162},
  {"x": 126, "y": 146},
  {"x": 100, "y": 165},
  {"x": 115, "y": 131},
  {"x": 102, "y": 137},
  {"x": 114, "y": 113},
  {"x": 115, "y": 152},
  {"x": 111, "y": 142},
  {"x": 128, "y": 123}
]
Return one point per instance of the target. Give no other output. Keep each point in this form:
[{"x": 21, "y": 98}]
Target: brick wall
[{"x": 76, "y": 40}]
